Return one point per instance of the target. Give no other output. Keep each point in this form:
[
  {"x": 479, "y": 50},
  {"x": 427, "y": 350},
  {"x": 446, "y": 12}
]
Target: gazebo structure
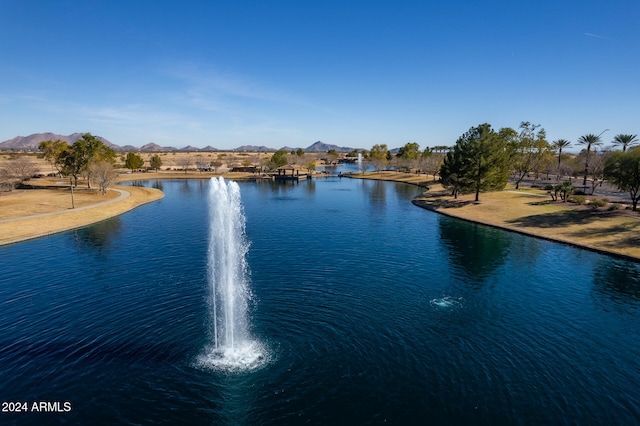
[{"x": 289, "y": 172}]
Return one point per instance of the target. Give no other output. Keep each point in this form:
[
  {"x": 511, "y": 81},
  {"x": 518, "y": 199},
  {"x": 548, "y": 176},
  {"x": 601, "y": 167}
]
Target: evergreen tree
[
  {"x": 478, "y": 162},
  {"x": 133, "y": 161},
  {"x": 155, "y": 162}
]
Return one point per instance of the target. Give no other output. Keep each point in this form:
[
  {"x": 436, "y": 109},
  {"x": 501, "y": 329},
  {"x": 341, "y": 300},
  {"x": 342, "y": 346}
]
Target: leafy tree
[
  {"x": 133, "y": 161},
  {"x": 559, "y": 145},
  {"x": 379, "y": 156},
  {"x": 155, "y": 162},
  {"x": 52, "y": 151},
  {"x": 82, "y": 153},
  {"x": 566, "y": 189},
  {"x": 478, "y": 162},
  {"x": 625, "y": 141},
  {"x": 623, "y": 169},
  {"x": 278, "y": 159},
  {"x": 528, "y": 150},
  {"x": 409, "y": 154},
  {"x": 310, "y": 166},
  {"x": 590, "y": 140}
]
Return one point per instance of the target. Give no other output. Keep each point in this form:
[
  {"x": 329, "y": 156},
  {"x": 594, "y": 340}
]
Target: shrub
[
  {"x": 579, "y": 199},
  {"x": 615, "y": 206},
  {"x": 598, "y": 203}
]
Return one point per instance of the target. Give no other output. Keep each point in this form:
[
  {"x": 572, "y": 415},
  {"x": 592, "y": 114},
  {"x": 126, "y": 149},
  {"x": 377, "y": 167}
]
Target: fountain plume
[{"x": 232, "y": 346}]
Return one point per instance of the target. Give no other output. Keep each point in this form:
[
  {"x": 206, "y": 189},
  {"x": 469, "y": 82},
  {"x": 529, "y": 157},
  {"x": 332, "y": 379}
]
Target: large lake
[{"x": 371, "y": 311}]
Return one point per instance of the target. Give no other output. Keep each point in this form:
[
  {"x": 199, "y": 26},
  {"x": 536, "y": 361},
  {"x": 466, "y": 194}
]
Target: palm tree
[
  {"x": 560, "y": 144},
  {"x": 625, "y": 141},
  {"x": 589, "y": 140}
]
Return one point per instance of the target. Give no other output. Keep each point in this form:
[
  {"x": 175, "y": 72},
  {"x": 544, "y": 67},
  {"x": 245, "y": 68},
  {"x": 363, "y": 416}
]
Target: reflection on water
[
  {"x": 376, "y": 193},
  {"x": 475, "y": 249},
  {"x": 366, "y": 303},
  {"x": 618, "y": 280},
  {"x": 99, "y": 236}
]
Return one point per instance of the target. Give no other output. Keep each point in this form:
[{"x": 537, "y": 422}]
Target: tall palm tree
[
  {"x": 589, "y": 140},
  {"x": 560, "y": 144},
  {"x": 625, "y": 141}
]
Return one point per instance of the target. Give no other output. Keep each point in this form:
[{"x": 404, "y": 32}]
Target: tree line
[{"x": 483, "y": 159}]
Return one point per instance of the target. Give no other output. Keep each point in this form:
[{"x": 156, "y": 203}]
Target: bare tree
[
  {"x": 16, "y": 171},
  {"x": 596, "y": 165},
  {"x": 103, "y": 174},
  {"x": 6, "y": 180},
  {"x": 184, "y": 162},
  {"x": 202, "y": 163}
]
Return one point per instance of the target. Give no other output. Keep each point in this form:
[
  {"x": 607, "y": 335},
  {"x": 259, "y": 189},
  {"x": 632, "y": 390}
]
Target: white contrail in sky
[{"x": 596, "y": 36}]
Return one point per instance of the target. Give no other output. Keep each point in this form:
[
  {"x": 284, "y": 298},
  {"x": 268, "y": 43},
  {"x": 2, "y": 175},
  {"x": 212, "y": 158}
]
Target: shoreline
[
  {"x": 573, "y": 244},
  {"x": 532, "y": 213},
  {"x": 16, "y": 229},
  {"x": 19, "y": 229},
  {"x": 525, "y": 211}
]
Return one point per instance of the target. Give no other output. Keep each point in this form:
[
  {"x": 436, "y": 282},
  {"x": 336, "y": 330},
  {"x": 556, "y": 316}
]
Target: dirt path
[
  {"x": 123, "y": 195},
  {"x": 58, "y": 219}
]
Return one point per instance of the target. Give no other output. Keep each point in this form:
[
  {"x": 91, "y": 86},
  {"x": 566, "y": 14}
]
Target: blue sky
[{"x": 289, "y": 73}]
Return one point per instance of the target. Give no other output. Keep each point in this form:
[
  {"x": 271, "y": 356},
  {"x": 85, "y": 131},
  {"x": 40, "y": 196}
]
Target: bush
[
  {"x": 598, "y": 203},
  {"x": 579, "y": 199},
  {"x": 615, "y": 206}
]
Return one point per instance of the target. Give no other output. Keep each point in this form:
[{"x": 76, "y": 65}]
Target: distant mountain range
[{"x": 31, "y": 142}]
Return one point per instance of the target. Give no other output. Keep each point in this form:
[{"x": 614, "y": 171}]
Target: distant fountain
[
  {"x": 360, "y": 161},
  {"x": 231, "y": 346}
]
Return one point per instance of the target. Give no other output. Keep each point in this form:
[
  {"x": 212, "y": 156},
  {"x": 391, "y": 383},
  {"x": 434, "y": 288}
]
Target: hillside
[
  {"x": 31, "y": 142},
  {"x": 323, "y": 147}
]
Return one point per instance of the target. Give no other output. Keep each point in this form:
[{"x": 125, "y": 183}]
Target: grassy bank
[{"x": 532, "y": 212}]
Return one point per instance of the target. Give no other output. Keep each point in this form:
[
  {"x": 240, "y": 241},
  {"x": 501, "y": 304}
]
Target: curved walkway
[{"x": 123, "y": 196}]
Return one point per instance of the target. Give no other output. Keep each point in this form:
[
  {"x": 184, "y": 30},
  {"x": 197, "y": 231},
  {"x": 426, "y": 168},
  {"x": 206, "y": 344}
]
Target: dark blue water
[{"x": 373, "y": 311}]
